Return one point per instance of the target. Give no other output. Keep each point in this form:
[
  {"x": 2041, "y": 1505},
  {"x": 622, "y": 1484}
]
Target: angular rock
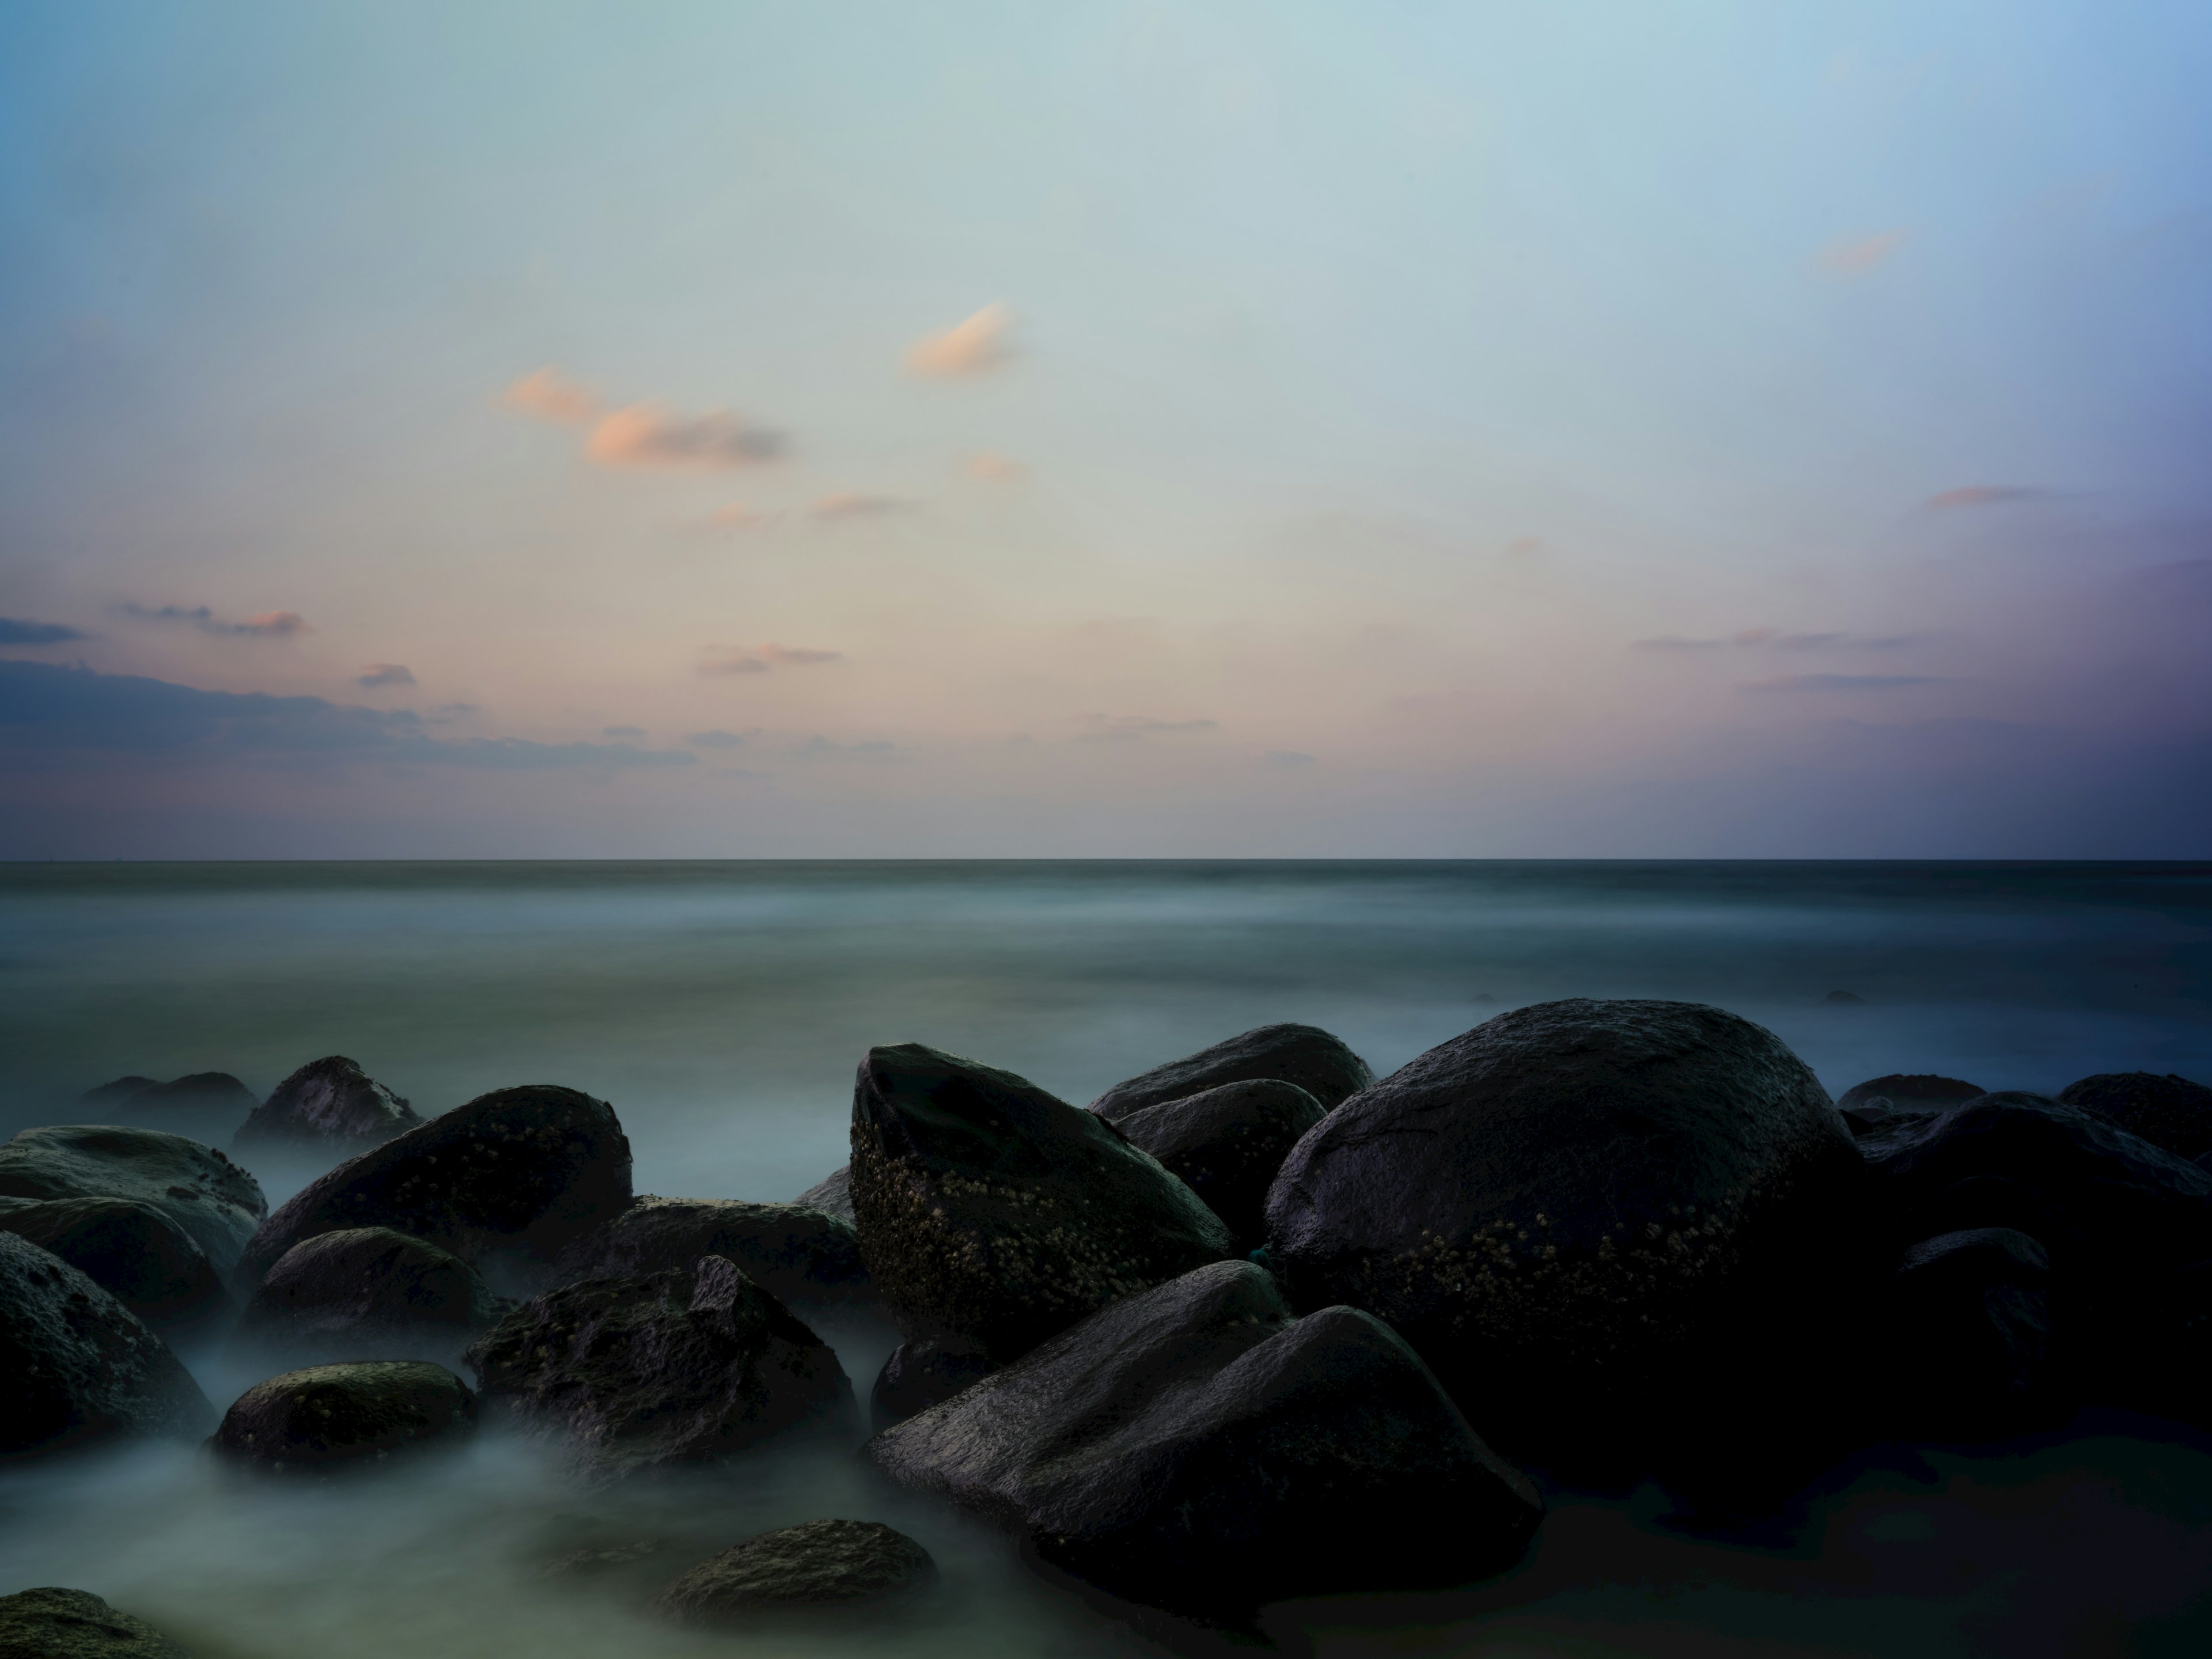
[
  {"x": 1304, "y": 1054},
  {"x": 328, "y": 1418},
  {"x": 817, "y": 1564},
  {"x": 921, "y": 1373},
  {"x": 210, "y": 1198},
  {"x": 76, "y": 1366},
  {"x": 1581, "y": 1213},
  {"x": 832, "y": 1195},
  {"x": 131, "y": 1249},
  {"x": 1196, "y": 1448},
  {"x": 73, "y": 1624},
  {"x": 992, "y": 1213},
  {"x": 2170, "y": 1112},
  {"x": 367, "y": 1293},
  {"x": 1227, "y": 1144},
  {"x": 328, "y": 1106},
  {"x": 1972, "y": 1314},
  {"x": 801, "y": 1255},
  {"x": 660, "y": 1370},
  {"x": 511, "y": 1177}
]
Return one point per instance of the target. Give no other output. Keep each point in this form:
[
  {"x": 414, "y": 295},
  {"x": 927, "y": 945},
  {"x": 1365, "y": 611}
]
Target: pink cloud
[
  {"x": 386, "y": 673},
  {"x": 993, "y": 468},
  {"x": 1856, "y": 258},
  {"x": 1983, "y": 495},
  {"x": 652, "y": 434},
  {"x": 970, "y": 347},
  {"x": 550, "y": 396}
]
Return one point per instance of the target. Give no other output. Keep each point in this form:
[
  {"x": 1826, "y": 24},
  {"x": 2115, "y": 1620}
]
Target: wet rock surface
[
  {"x": 1227, "y": 1144},
  {"x": 367, "y": 1293},
  {"x": 817, "y": 1564},
  {"x": 832, "y": 1193},
  {"x": 76, "y": 1366},
  {"x": 328, "y": 1418},
  {"x": 2170, "y": 1112},
  {"x": 218, "y": 1205},
  {"x": 994, "y": 1213},
  {"x": 1198, "y": 1449},
  {"x": 329, "y": 1106},
  {"x": 511, "y": 1177},
  {"x": 1972, "y": 1338},
  {"x": 1866, "y": 1105},
  {"x": 131, "y": 1249},
  {"x": 1304, "y": 1054},
  {"x": 921, "y": 1373},
  {"x": 661, "y": 1371},
  {"x": 52, "y": 1623},
  {"x": 803, "y": 1256}
]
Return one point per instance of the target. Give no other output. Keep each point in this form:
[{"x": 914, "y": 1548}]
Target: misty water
[{"x": 721, "y": 1008}]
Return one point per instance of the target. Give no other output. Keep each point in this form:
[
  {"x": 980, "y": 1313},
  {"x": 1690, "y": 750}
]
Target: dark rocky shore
[{"x": 1253, "y": 1326}]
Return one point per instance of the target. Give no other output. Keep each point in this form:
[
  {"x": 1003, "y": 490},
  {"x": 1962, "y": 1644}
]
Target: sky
[{"x": 1401, "y": 429}]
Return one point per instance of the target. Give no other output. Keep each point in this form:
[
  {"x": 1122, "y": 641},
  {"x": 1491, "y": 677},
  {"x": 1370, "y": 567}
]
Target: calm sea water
[{"x": 721, "y": 1008}]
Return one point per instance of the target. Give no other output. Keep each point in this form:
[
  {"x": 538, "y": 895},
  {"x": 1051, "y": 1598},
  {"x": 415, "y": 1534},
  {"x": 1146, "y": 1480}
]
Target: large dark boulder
[
  {"x": 660, "y": 1370},
  {"x": 509, "y": 1180},
  {"x": 993, "y": 1212},
  {"x": 832, "y": 1195},
  {"x": 330, "y": 1107},
  {"x": 803, "y": 1256},
  {"x": 131, "y": 1249},
  {"x": 1196, "y": 1448},
  {"x": 76, "y": 1366},
  {"x": 1586, "y": 1215},
  {"x": 210, "y": 1198},
  {"x": 2169, "y": 1112},
  {"x": 367, "y": 1293},
  {"x": 1227, "y": 1144},
  {"x": 1970, "y": 1335},
  {"x": 329, "y": 1418},
  {"x": 1304, "y": 1054},
  {"x": 817, "y": 1564},
  {"x": 53, "y": 1622}
]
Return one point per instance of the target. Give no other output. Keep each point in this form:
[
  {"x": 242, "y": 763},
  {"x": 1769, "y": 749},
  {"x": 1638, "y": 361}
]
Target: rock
[
  {"x": 367, "y": 1293},
  {"x": 329, "y": 1418},
  {"x": 1227, "y": 1144},
  {"x": 75, "y": 1624},
  {"x": 992, "y": 1213},
  {"x": 76, "y": 1366},
  {"x": 130, "y": 1248},
  {"x": 803, "y": 1256},
  {"x": 1304, "y": 1054},
  {"x": 1908, "y": 1093},
  {"x": 327, "y": 1106},
  {"x": 204, "y": 1105},
  {"x": 1972, "y": 1328},
  {"x": 1195, "y": 1447},
  {"x": 2169, "y": 1112},
  {"x": 598, "y": 1561},
  {"x": 1582, "y": 1214},
  {"x": 660, "y": 1370},
  {"x": 1844, "y": 1000},
  {"x": 832, "y": 1195},
  {"x": 210, "y": 1198},
  {"x": 511, "y": 1178},
  {"x": 921, "y": 1373},
  {"x": 819, "y": 1563},
  {"x": 108, "y": 1096}
]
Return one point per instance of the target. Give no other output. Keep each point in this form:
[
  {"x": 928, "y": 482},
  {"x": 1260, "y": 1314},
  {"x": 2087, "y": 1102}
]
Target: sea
[{"x": 721, "y": 1008}]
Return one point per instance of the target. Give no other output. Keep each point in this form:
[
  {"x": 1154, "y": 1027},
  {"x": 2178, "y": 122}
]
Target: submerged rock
[
  {"x": 818, "y": 1564},
  {"x": 216, "y": 1203},
  {"x": 832, "y": 1195},
  {"x": 920, "y": 1374},
  {"x": 1227, "y": 1144},
  {"x": 992, "y": 1213},
  {"x": 660, "y": 1370},
  {"x": 327, "y": 1418},
  {"x": 2170, "y": 1112},
  {"x": 801, "y": 1255},
  {"x": 328, "y": 1106},
  {"x": 1197, "y": 1448},
  {"x": 1304, "y": 1054},
  {"x": 76, "y": 1366},
  {"x": 367, "y": 1293},
  {"x": 131, "y": 1249},
  {"x": 518, "y": 1174},
  {"x": 1581, "y": 1213},
  {"x": 73, "y": 1624}
]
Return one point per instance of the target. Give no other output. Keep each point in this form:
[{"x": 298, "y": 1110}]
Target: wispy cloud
[
  {"x": 1856, "y": 256},
  {"x": 797, "y": 656},
  {"x": 1121, "y": 728},
  {"x": 730, "y": 659},
  {"x": 622, "y": 731},
  {"x": 653, "y": 435},
  {"x": 1839, "y": 682},
  {"x": 548, "y": 395},
  {"x": 268, "y": 624},
  {"x": 15, "y": 630},
  {"x": 970, "y": 347},
  {"x": 384, "y": 673},
  {"x": 1774, "y": 639},
  {"x": 993, "y": 468},
  {"x": 758, "y": 659},
  {"x": 717, "y": 738},
  {"x": 1984, "y": 495},
  {"x": 1286, "y": 759},
  {"x": 736, "y": 515},
  {"x": 853, "y": 505},
  {"x": 819, "y": 748}
]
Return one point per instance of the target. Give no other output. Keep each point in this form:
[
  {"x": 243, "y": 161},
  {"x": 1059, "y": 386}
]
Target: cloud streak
[
  {"x": 975, "y": 345},
  {"x": 1125, "y": 728},
  {"x": 758, "y": 659},
  {"x": 1857, "y": 255},
  {"x": 653, "y": 435},
  {"x": 1840, "y": 683},
  {"x": 267, "y": 624},
  {"x": 384, "y": 673},
  {"x": 548, "y": 395},
  {"x": 17, "y": 630},
  {"x": 1951, "y": 500}
]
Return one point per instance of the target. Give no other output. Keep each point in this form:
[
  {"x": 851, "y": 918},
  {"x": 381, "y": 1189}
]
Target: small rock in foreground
[
  {"x": 1304, "y": 1054},
  {"x": 367, "y": 1293},
  {"x": 73, "y": 1624},
  {"x": 330, "y": 1417},
  {"x": 819, "y": 1563},
  {"x": 328, "y": 1106}
]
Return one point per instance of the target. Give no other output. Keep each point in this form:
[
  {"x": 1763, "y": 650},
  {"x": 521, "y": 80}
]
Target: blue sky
[{"x": 1601, "y": 429}]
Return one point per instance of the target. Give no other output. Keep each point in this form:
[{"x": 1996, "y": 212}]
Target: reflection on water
[{"x": 721, "y": 1007}]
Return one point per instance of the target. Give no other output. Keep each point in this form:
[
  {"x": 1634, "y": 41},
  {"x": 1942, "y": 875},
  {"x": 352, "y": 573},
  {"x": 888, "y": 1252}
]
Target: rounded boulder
[
  {"x": 327, "y": 1418},
  {"x": 817, "y": 1564}
]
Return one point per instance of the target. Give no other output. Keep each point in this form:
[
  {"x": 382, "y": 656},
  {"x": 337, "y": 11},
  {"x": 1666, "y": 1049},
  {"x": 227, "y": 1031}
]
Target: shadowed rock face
[
  {"x": 1909, "y": 1091},
  {"x": 2169, "y": 1112},
  {"x": 991, "y": 1211},
  {"x": 216, "y": 1203},
  {"x": 76, "y": 1366},
  {"x": 328, "y": 1105},
  {"x": 131, "y": 1249},
  {"x": 1970, "y": 1326},
  {"x": 1570, "y": 1211},
  {"x": 518, "y": 1173},
  {"x": 1196, "y": 1448},
  {"x": 832, "y": 1195},
  {"x": 818, "y": 1564},
  {"x": 73, "y": 1624},
  {"x": 797, "y": 1253},
  {"x": 1304, "y": 1054},
  {"x": 1227, "y": 1144},
  {"x": 330, "y": 1417},
  {"x": 367, "y": 1293},
  {"x": 661, "y": 1371}
]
